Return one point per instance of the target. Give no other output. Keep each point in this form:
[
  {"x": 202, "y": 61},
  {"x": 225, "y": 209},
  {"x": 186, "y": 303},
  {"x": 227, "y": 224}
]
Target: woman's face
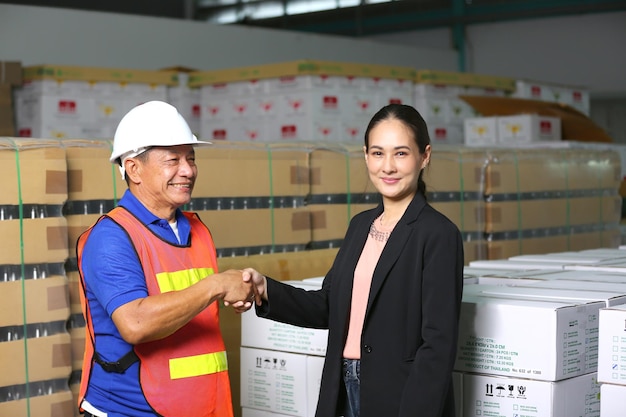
[{"x": 394, "y": 161}]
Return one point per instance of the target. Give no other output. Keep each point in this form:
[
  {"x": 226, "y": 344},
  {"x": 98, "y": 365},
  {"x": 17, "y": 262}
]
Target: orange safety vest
[{"x": 178, "y": 378}]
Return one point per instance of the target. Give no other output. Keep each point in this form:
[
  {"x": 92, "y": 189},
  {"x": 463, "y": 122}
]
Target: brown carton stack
[
  {"x": 10, "y": 77},
  {"x": 455, "y": 186},
  {"x": 251, "y": 196},
  {"x": 94, "y": 187},
  {"x": 551, "y": 200},
  {"x": 33, "y": 286},
  {"x": 340, "y": 188}
]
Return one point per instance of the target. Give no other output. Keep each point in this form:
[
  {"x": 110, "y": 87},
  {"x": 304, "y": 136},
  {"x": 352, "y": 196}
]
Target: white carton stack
[
  {"x": 612, "y": 361},
  {"x": 281, "y": 365},
  {"x": 528, "y": 357},
  {"x": 586, "y": 274},
  {"x": 437, "y": 96},
  {"x": 61, "y": 102},
  {"x": 511, "y": 130},
  {"x": 297, "y": 101},
  {"x": 576, "y": 97}
]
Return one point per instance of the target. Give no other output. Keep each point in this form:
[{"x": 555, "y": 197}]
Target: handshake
[{"x": 242, "y": 288}]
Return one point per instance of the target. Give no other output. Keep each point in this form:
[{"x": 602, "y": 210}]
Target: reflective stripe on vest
[
  {"x": 190, "y": 366},
  {"x": 179, "y": 280}
]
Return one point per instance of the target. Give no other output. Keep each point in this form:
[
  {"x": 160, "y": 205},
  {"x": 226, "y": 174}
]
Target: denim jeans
[{"x": 352, "y": 380}]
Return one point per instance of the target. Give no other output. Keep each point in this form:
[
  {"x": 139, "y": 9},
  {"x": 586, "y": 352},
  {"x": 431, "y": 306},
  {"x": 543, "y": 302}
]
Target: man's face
[{"x": 167, "y": 176}]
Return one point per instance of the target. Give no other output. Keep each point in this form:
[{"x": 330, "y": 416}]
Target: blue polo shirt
[{"x": 113, "y": 276}]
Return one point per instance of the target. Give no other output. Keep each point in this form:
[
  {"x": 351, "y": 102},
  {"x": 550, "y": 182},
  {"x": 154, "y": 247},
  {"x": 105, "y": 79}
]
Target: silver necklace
[{"x": 377, "y": 234}]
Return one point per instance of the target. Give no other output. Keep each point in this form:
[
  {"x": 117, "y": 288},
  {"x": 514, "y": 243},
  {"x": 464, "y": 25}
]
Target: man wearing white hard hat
[{"x": 150, "y": 286}]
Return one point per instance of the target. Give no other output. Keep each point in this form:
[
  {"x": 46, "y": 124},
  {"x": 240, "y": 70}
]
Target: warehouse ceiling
[{"x": 342, "y": 17}]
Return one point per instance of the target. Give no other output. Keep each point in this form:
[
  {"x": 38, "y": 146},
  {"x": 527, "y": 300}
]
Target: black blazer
[{"x": 409, "y": 338}]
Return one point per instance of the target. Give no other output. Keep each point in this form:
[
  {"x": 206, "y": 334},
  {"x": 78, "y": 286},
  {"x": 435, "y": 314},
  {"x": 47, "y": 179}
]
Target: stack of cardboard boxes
[
  {"x": 297, "y": 101},
  {"x": 60, "y": 102},
  {"x": 33, "y": 286}
]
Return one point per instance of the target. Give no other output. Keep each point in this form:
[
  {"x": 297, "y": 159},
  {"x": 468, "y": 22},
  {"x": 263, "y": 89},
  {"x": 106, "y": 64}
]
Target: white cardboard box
[
  {"x": 612, "y": 400},
  {"x": 533, "y": 291},
  {"x": 262, "y": 333},
  {"x": 612, "y": 345},
  {"x": 496, "y": 396},
  {"x": 280, "y": 382},
  {"x": 526, "y": 128},
  {"x": 543, "y": 340}
]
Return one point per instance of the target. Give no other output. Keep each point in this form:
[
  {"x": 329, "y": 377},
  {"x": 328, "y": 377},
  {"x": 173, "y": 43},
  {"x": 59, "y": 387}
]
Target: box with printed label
[
  {"x": 526, "y": 128},
  {"x": 612, "y": 345},
  {"x": 493, "y": 337},
  {"x": 274, "y": 381},
  {"x": 497, "y": 396}
]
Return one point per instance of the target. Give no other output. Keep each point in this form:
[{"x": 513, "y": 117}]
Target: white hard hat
[{"x": 154, "y": 123}]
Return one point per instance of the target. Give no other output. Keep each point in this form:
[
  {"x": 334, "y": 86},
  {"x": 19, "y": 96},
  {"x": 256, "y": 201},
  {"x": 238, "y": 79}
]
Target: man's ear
[{"x": 133, "y": 170}]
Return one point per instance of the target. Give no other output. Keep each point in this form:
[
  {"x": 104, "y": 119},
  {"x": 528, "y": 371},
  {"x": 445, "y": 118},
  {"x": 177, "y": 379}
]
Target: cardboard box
[
  {"x": 493, "y": 337},
  {"x": 574, "y": 124},
  {"x": 529, "y": 215},
  {"x": 611, "y": 297},
  {"x": 34, "y": 240},
  {"x": 490, "y": 395},
  {"x": 256, "y": 229},
  {"x": 281, "y": 382},
  {"x": 44, "y": 300},
  {"x": 612, "y": 345},
  {"x": 88, "y": 164},
  {"x": 252, "y": 170},
  {"x": 528, "y": 128},
  {"x": 499, "y": 247},
  {"x": 329, "y": 222},
  {"x": 261, "y": 333},
  {"x": 57, "y": 404},
  {"x": 77, "y": 340},
  {"x": 612, "y": 400},
  {"x": 284, "y": 266},
  {"x": 49, "y": 357},
  {"x": 34, "y": 172}
]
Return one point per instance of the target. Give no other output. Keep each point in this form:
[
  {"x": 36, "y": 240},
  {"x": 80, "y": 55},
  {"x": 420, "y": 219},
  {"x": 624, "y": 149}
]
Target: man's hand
[
  {"x": 235, "y": 290},
  {"x": 258, "y": 284}
]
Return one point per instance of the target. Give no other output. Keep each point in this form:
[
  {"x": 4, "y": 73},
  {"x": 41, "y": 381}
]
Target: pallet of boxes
[
  {"x": 62, "y": 102},
  {"x": 34, "y": 341}
]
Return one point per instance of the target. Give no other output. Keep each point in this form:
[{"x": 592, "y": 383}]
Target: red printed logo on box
[
  {"x": 266, "y": 106},
  {"x": 25, "y": 132},
  {"x": 577, "y": 96},
  {"x": 213, "y": 110},
  {"x": 195, "y": 110},
  {"x": 288, "y": 131},
  {"x": 545, "y": 127},
  {"x": 330, "y": 102},
  {"x": 395, "y": 101},
  {"x": 67, "y": 106},
  {"x": 240, "y": 108},
  {"x": 535, "y": 91},
  {"x": 295, "y": 104},
  {"x": 252, "y": 134},
  {"x": 219, "y": 134},
  {"x": 440, "y": 133}
]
